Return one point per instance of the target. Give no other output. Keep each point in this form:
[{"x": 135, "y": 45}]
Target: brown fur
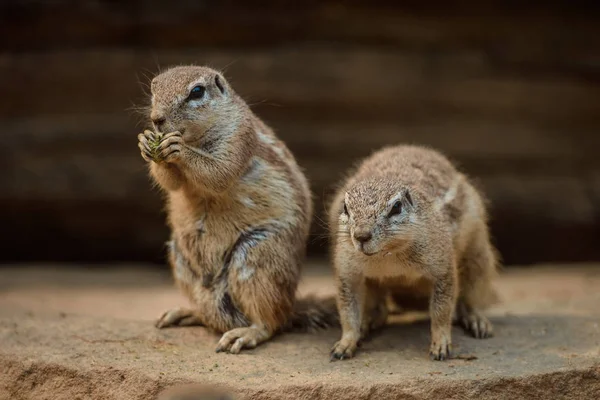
[
  {"x": 239, "y": 208},
  {"x": 436, "y": 248}
]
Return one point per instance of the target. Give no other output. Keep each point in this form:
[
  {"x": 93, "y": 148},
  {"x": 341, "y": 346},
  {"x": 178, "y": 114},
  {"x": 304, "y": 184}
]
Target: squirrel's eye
[
  {"x": 345, "y": 209},
  {"x": 197, "y": 92},
  {"x": 396, "y": 209}
]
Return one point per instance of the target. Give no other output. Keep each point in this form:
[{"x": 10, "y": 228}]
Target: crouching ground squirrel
[
  {"x": 239, "y": 209},
  {"x": 407, "y": 224}
]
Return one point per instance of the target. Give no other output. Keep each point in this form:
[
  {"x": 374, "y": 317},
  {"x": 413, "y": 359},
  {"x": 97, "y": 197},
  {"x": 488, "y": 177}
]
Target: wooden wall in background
[{"x": 512, "y": 93}]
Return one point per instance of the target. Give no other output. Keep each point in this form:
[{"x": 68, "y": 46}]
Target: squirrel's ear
[
  {"x": 409, "y": 198},
  {"x": 219, "y": 83}
]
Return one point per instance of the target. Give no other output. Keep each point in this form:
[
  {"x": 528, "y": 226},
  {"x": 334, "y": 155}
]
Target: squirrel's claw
[{"x": 342, "y": 351}]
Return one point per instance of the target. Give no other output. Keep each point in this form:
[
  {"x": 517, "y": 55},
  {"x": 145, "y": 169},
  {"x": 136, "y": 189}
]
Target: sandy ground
[{"x": 70, "y": 333}]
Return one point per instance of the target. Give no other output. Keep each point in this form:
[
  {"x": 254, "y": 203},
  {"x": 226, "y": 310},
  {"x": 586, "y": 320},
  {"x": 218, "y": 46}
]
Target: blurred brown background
[{"x": 510, "y": 90}]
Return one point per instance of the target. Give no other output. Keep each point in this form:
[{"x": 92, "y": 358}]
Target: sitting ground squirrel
[
  {"x": 239, "y": 209},
  {"x": 407, "y": 223}
]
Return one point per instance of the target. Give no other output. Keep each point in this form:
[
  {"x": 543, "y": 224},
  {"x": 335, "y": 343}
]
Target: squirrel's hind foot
[
  {"x": 477, "y": 325},
  {"x": 237, "y": 339},
  {"x": 178, "y": 317}
]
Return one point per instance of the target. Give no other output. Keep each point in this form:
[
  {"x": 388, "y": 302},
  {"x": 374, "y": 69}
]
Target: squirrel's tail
[{"x": 312, "y": 314}]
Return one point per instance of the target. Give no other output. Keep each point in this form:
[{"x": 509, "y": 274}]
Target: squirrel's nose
[
  {"x": 158, "y": 122},
  {"x": 363, "y": 236},
  {"x": 158, "y": 119}
]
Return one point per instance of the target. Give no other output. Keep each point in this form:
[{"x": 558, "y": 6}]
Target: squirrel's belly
[
  {"x": 196, "y": 257},
  {"x": 203, "y": 266},
  {"x": 215, "y": 246}
]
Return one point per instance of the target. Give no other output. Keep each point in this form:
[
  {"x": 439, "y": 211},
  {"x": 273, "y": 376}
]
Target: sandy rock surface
[{"x": 68, "y": 334}]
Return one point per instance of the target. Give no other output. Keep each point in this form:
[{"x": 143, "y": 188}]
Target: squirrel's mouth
[
  {"x": 361, "y": 248},
  {"x": 368, "y": 254}
]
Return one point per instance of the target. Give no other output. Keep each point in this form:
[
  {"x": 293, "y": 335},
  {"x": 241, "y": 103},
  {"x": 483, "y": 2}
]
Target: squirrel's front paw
[
  {"x": 170, "y": 146},
  {"x": 148, "y": 143},
  {"x": 441, "y": 347},
  {"x": 160, "y": 148},
  {"x": 343, "y": 349}
]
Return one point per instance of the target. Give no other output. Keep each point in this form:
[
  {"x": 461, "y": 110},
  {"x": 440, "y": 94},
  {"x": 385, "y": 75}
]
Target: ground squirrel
[
  {"x": 408, "y": 224},
  {"x": 239, "y": 209}
]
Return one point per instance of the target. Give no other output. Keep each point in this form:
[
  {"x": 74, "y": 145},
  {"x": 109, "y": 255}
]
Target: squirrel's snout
[{"x": 362, "y": 241}]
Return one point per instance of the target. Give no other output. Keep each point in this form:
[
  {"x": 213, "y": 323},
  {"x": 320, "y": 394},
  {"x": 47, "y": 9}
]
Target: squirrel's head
[
  {"x": 191, "y": 100},
  {"x": 378, "y": 216}
]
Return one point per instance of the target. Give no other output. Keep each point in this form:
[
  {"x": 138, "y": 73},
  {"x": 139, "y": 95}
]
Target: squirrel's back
[{"x": 416, "y": 166}]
